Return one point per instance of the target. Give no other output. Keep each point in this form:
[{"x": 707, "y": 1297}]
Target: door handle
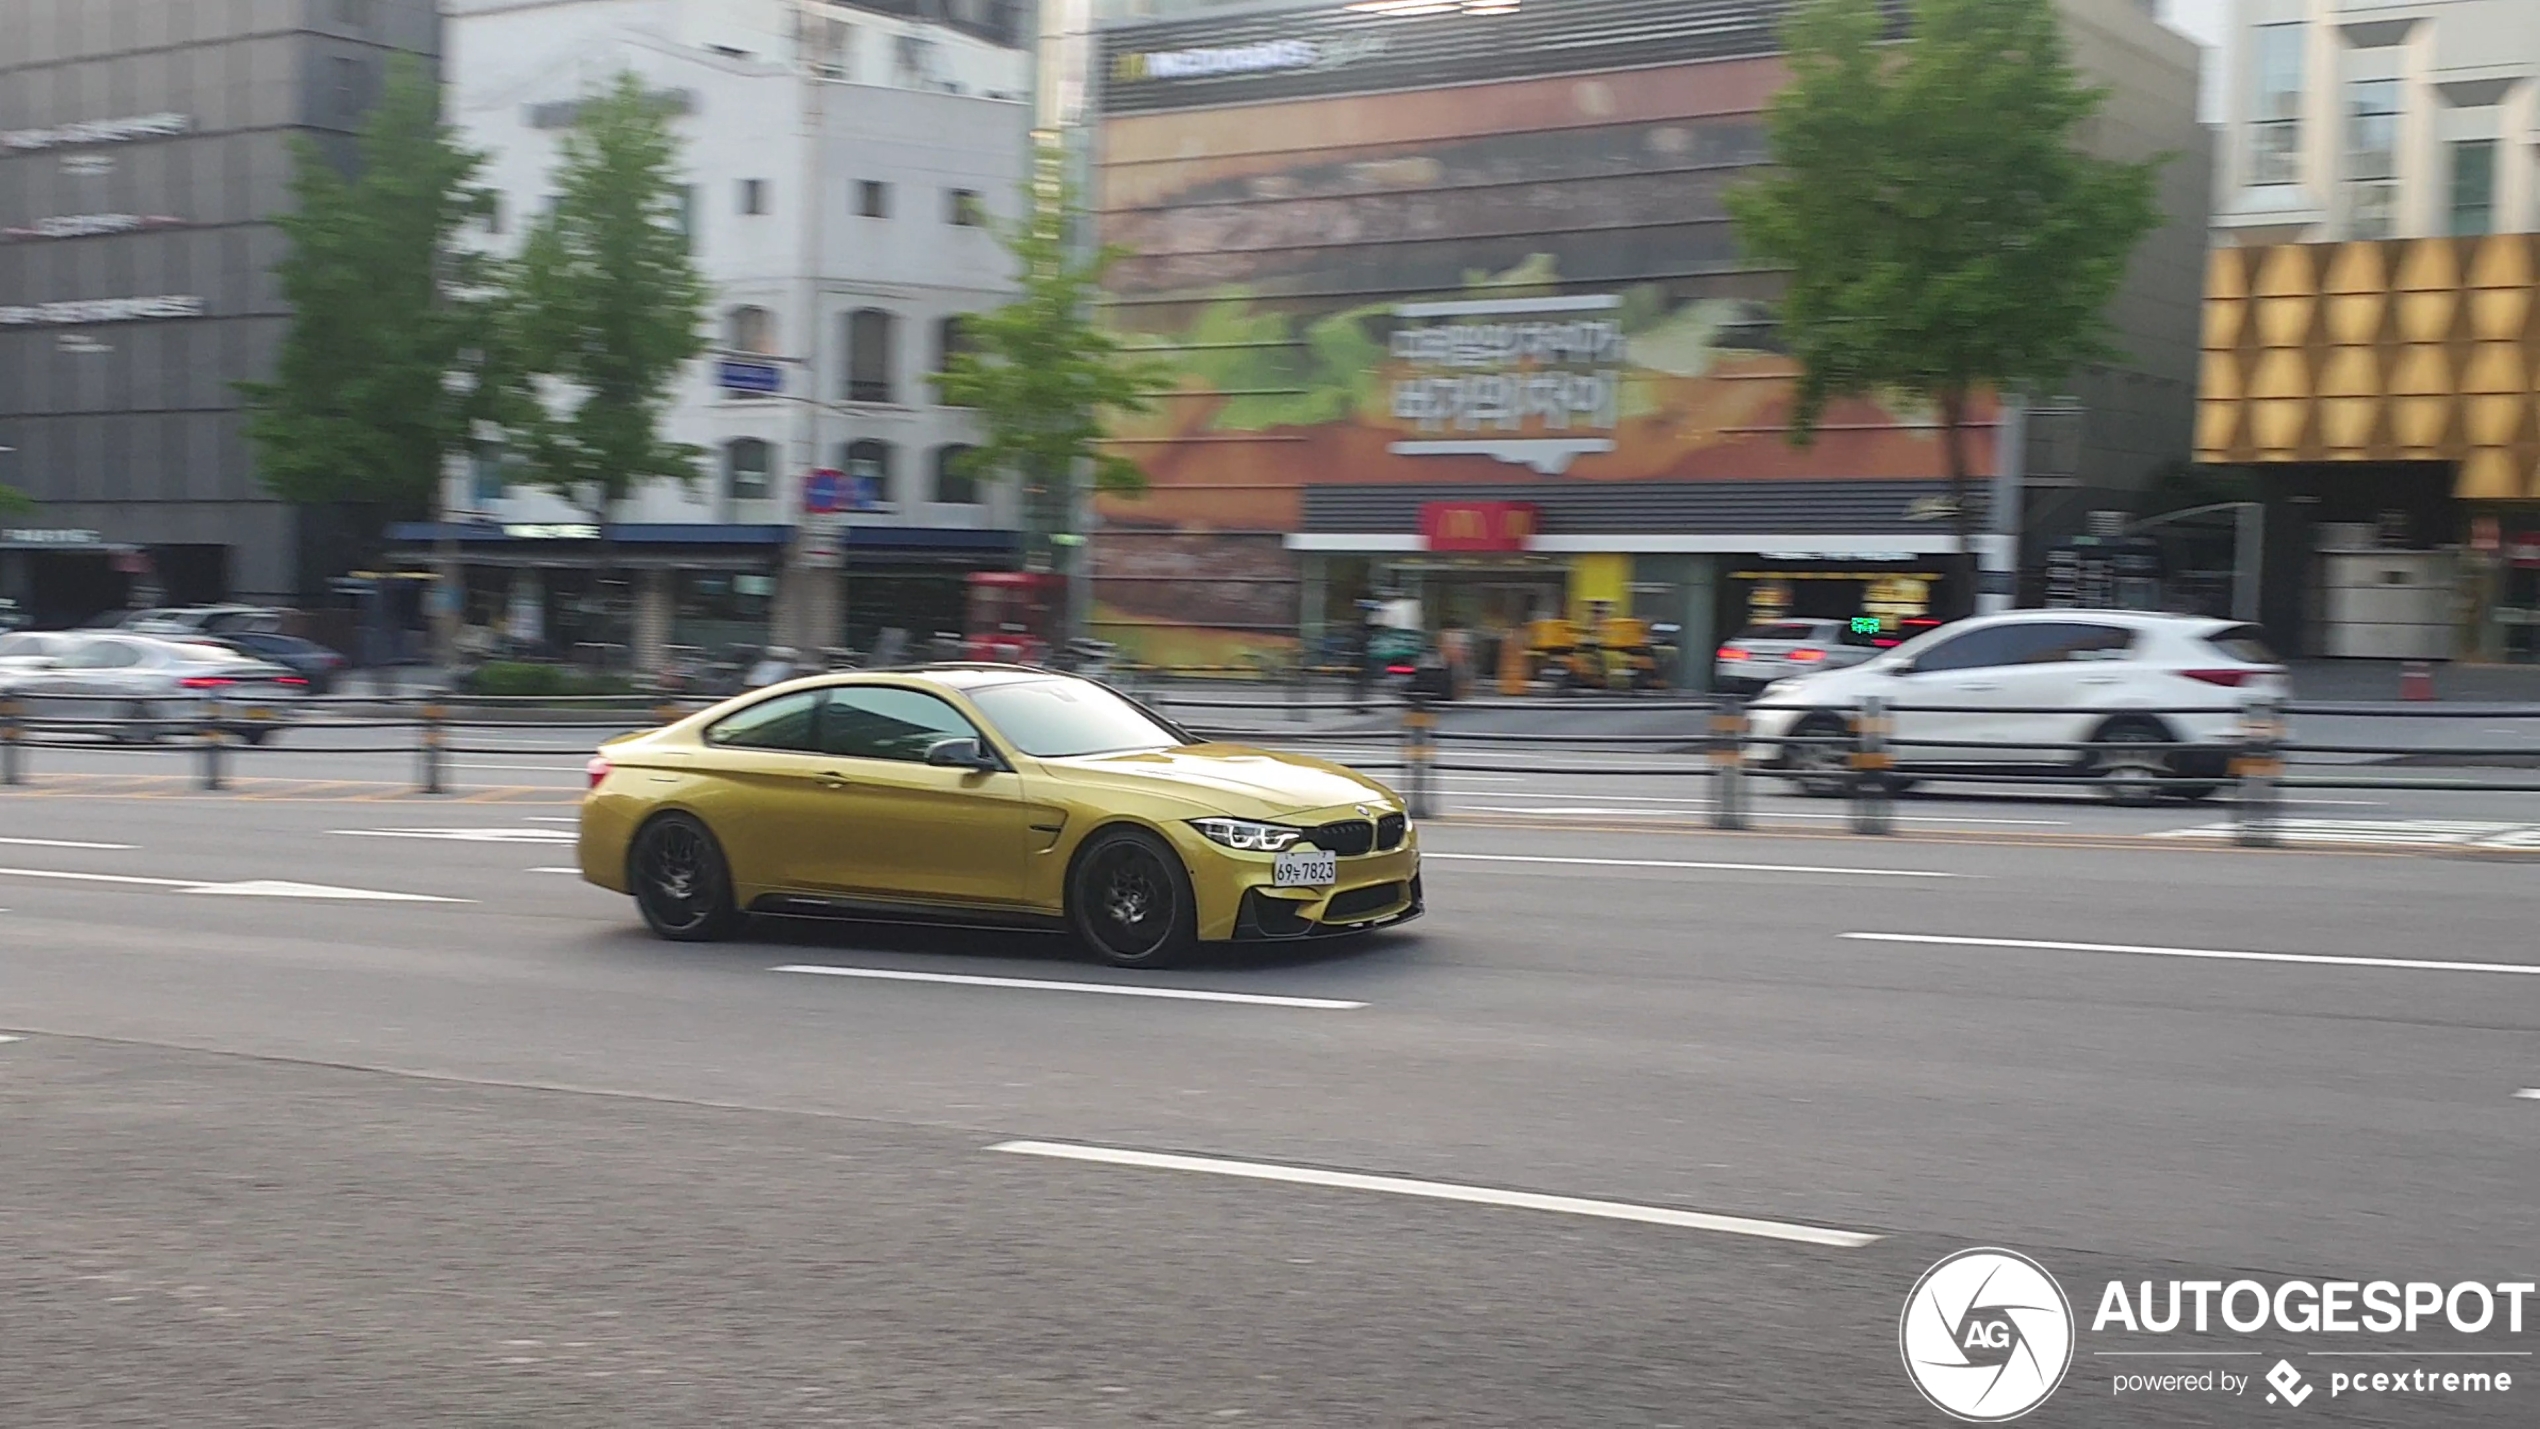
[
  {"x": 1986, "y": 686},
  {"x": 832, "y": 779}
]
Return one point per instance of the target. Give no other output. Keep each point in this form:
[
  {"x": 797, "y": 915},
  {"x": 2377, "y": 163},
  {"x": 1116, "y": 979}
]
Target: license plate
[
  {"x": 1306, "y": 869},
  {"x": 259, "y": 712}
]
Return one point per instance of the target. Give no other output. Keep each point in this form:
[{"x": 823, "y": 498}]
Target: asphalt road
[{"x": 283, "y": 1155}]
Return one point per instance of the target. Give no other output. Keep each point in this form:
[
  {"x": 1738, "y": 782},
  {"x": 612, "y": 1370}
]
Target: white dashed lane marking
[
  {"x": 2212, "y": 954},
  {"x": 1689, "y": 864},
  {"x": 1445, "y": 1191},
  {"x": 1026, "y": 984},
  {"x": 243, "y": 888},
  {"x": 66, "y": 843}
]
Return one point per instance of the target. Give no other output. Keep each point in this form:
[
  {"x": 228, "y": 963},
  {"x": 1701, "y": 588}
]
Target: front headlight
[{"x": 1247, "y": 835}]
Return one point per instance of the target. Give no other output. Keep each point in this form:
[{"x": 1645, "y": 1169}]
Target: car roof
[
  {"x": 959, "y": 675},
  {"x": 2147, "y": 619}
]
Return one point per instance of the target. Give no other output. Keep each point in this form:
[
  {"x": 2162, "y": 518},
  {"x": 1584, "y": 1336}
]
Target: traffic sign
[{"x": 825, "y": 491}]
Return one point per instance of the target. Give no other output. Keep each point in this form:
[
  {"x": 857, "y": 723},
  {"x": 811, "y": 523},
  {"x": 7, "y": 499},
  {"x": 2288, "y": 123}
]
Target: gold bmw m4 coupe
[{"x": 990, "y": 794}]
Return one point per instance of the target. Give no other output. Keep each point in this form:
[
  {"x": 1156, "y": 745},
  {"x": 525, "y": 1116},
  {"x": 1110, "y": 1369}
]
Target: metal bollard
[
  {"x": 215, "y": 746},
  {"x": 1872, "y": 812},
  {"x": 1418, "y": 725},
  {"x": 428, "y": 749},
  {"x": 2257, "y": 770},
  {"x": 12, "y": 741},
  {"x": 1728, "y": 764}
]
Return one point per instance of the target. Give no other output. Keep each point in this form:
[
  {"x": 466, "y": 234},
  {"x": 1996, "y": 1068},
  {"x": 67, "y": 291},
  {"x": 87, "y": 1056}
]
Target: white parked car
[
  {"x": 1776, "y": 649},
  {"x": 2005, "y": 694},
  {"x": 139, "y": 687}
]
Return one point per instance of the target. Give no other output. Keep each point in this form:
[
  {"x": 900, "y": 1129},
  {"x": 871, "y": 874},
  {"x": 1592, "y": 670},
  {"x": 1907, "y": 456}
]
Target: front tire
[
  {"x": 683, "y": 884},
  {"x": 1130, "y": 900}
]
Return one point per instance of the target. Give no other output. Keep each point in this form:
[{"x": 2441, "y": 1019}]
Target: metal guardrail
[{"x": 2256, "y": 764}]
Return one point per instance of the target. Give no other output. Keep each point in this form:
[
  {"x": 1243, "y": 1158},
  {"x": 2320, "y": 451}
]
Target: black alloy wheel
[
  {"x": 683, "y": 887},
  {"x": 1131, "y": 902}
]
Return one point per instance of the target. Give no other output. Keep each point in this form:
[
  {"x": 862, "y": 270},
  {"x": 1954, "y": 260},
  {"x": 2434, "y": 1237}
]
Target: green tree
[
  {"x": 14, "y": 501},
  {"x": 607, "y": 307},
  {"x": 1044, "y": 374},
  {"x": 1941, "y": 233},
  {"x": 385, "y": 302}
]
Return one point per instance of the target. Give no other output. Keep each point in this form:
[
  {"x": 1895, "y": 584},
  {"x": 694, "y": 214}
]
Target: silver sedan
[{"x": 140, "y": 688}]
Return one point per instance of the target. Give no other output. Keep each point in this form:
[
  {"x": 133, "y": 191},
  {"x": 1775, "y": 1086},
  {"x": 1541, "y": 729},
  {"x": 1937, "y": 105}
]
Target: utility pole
[{"x": 1999, "y": 566}]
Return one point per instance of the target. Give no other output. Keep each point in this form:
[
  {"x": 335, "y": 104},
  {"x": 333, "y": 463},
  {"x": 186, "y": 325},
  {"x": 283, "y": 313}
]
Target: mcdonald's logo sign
[{"x": 1477, "y": 525}]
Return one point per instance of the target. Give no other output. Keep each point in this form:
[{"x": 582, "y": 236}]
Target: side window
[
  {"x": 879, "y": 722},
  {"x": 102, "y": 655},
  {"x": 2077, "y": 641},
  {"x": 1974, "y": 650},
  {"x": 785, "y": 722}
]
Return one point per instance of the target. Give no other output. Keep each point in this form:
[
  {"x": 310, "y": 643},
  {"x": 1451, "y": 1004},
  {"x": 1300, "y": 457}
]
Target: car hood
[{"x": 1226, "y": 778}]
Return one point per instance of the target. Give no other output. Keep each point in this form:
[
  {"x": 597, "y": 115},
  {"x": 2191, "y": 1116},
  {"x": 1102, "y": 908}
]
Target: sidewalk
[{"x": 2379, "y": 680}]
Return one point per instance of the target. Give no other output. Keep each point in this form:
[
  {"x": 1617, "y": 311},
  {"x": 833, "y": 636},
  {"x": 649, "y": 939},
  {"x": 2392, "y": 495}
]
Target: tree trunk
[{"x": 1953, "y": 446}]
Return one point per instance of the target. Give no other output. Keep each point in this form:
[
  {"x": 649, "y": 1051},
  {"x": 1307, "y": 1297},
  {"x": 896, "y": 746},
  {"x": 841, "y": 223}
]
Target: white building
[
  {"x": 2365, "y": 119},
  {"x": 844, "y": 165}
]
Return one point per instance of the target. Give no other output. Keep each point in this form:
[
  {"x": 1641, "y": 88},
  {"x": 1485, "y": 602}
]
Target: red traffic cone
[{"x": 2416, "y": 680}]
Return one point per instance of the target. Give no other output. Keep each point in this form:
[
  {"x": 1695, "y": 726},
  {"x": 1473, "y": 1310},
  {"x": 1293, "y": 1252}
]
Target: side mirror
[{"x": 958, "y": 754}]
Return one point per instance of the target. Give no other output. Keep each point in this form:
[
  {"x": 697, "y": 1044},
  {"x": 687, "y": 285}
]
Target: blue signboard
[{"x": 735, "y": 375}]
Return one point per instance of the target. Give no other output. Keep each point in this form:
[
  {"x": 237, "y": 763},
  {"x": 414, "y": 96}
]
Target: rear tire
[
  {"x": 682, "y": 883},
  {"x": 1130, "y": 901},
  {"x": 1824, "y": 771},
  {"x": 2131, "y": 777}
]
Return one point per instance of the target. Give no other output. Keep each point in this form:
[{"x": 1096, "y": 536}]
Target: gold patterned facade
[{"x": 2413, "y": 349}]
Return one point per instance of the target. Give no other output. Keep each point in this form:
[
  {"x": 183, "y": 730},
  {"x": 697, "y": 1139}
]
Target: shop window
[
  {"x": 870, "y": 332},
  {"x": 750, "y": 328},
  {"x": 963, "y": 208},
  {"x": 746, "y": 464},
  {"x": 873, "y": 198},
  {"x": 951, "y": 482},
  {"x": 753, "y": 196}
]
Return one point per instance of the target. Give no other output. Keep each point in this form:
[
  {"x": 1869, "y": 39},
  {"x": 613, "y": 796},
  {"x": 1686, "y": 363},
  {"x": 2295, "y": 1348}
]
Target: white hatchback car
[{"x": 2012, "y": 693}]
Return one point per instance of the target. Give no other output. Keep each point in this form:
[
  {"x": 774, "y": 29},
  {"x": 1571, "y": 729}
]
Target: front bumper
[
  {"x": 1237, "y": 899},
  {"x": 1267, "y": 916}
]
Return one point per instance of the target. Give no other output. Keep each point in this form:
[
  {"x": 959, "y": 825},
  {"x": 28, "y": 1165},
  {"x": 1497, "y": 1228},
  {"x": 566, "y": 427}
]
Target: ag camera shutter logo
[{"x": 1986, "y": 1335}]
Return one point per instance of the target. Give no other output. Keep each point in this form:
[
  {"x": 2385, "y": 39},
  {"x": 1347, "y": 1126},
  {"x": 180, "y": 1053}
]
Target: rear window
[
  {"x": 2245, "y": 643},
  {"x": 22, "y": 645},
  {"x": 1780, "y": 630}
]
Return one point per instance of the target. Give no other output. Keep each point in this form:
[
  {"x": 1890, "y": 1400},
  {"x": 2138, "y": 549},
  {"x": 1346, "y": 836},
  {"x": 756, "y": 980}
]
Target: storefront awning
[{"x": 685, "y": 545}]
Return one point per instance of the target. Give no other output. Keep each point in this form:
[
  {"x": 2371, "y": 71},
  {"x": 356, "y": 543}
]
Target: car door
[
  {"x": 1945, "y": 699},
  {"x": 906, "y": 829},
  {"x": 2066, "y": 670},
  {"x": 757, "y": 784},
  {"x": 92, "y": 682}
]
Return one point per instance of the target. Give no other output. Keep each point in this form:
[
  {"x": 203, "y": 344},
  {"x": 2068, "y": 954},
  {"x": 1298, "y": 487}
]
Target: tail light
[
  {"x": 1807, "y": 655},
  {"x": 2228, "y": 679},
  {"x": 1731, "y": 652},
  {"x": 289, "y": 680},
  {"x": 1399, "y": 670},
  {"x": 205, "y": 682},
  {"x": 597, "y": 769}
]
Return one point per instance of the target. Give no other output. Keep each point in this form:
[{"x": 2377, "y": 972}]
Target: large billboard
[{"x": 1498, "y": 281}]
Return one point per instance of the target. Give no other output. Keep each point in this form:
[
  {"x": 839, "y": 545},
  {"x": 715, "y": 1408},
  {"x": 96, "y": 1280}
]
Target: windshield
[{"x": 1061, "y": 719}]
